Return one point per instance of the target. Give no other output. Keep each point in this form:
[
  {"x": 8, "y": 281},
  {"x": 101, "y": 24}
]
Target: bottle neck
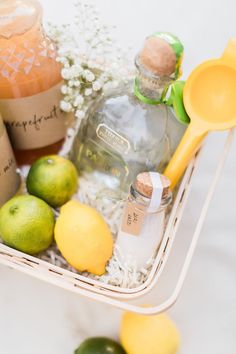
[{"x": 149, "y": 87}]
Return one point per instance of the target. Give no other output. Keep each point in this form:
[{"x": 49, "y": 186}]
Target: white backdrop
[{"x": 37, "y": 318}]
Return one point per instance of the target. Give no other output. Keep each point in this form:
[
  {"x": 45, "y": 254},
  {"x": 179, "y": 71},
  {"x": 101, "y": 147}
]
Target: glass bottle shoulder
[
  {"x": 123, "y": 112},
  {"x": 122, "y": 136}
]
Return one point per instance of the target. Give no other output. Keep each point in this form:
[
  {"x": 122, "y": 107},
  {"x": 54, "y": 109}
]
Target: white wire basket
[{"x": 169, "y": 270}]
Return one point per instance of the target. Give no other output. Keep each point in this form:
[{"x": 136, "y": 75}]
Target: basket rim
[
  {"x": 5, "y": 258},
  {"x": 99, "y": 286}
]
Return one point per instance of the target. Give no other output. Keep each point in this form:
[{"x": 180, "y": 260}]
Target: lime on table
[
  {"x": 100, "y": 345},
  {"x": 27, "y": 224},
  {"x": 53, "y": 179}
]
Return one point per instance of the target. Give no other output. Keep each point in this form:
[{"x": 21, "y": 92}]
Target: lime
[
  {"x": 27, "y": 224},
  {"x": 149, "y": 334},
  {"x": 100, "y": 345},
  {"x": 53, "y": 179},
  {"x": 83, "y": 237}
]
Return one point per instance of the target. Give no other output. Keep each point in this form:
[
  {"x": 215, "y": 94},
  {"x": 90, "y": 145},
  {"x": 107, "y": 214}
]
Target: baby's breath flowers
[{"x": 91, "y": 61}]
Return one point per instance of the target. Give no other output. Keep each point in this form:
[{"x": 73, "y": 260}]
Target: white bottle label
[{"x": 35, "y": 121}]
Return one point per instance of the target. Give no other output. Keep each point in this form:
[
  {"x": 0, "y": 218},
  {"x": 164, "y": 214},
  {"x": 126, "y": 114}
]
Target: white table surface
[{"x": 37, "y": 318}]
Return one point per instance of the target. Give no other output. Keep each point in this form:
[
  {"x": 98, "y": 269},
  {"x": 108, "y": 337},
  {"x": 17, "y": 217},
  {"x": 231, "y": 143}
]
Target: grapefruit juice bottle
[{"x": 30, "y": 81}]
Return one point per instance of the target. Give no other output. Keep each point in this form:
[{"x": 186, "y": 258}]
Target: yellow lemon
[
  {"x": 149, "y": 334},
  {"x": 83, "y": 237}
]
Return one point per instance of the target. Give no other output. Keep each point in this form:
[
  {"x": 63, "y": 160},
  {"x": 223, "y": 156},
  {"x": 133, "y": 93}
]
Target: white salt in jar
[{"x": 143, "y": 220}]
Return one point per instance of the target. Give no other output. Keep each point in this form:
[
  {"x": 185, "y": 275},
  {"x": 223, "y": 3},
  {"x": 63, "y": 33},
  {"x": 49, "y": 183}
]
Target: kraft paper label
[
  {"x": 35, "y": 121},
  {"x": 9, "y": 179},
  {"x": 133, "y": 218}
]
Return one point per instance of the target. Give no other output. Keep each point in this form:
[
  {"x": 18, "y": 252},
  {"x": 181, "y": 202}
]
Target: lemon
[
  {"x": 27, "y": 224},
  {"x": 83, "y": 237},
  {"x": 149, "y": 334},
  {"x": 53, "y": 179},
  {"x": 100, "y": 345}
]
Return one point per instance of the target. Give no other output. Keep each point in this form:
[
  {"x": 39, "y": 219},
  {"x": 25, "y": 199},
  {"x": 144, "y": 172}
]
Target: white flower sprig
[{"x": 91, "y": 61}]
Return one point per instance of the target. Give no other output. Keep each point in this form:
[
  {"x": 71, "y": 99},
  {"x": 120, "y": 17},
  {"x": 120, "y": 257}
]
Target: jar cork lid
[{"x": 144, "y": 184}]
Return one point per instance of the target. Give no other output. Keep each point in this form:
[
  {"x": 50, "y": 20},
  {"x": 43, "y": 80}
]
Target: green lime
[
  {"x": 53, "y": 179},
  {"x": 100, "y": 345},
  {"x": 27, "y": 224}
]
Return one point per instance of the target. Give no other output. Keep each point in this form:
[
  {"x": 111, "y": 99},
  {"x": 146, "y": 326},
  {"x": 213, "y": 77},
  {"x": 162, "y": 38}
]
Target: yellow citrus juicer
[{"x": 210, "y": 101}]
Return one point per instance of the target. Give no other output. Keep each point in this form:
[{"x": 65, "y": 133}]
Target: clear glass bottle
[
  {"x": 130, "y": 130},
  {"x": 29, "y": 81},
  {"x": 142, "y": 226},
  {"x": 9, "y": 179}
]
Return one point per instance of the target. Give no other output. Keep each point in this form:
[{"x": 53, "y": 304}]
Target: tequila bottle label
[{"x": 113, "y": 139}]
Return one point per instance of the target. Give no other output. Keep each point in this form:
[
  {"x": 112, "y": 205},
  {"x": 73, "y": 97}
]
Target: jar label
[
  {"x": 133, "y": 218},
  {"x": 35, "y": 121},
  {"x": 113, "y": 139},
  {"x": 9, "y": 179}
]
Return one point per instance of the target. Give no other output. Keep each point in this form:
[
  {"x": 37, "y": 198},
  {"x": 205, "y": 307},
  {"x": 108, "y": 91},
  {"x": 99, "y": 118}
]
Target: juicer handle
[
  {"x": 229, "y": 53},
  {"x": 185, "y": 151}
]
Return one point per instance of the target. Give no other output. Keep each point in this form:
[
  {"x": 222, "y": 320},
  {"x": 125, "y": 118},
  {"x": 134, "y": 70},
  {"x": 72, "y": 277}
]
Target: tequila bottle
[{"x": 131, "y": 130}]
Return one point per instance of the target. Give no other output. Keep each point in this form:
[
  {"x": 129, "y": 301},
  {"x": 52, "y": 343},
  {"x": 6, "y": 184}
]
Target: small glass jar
[
  {"x": 141, "y": 230},
  {"x": 9, "y": 178}
]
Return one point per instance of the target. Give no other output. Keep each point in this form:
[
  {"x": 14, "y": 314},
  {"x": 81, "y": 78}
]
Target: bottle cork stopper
[
  {"x": 143, "y": 184},
  {"x": 158, "y": 56}
]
